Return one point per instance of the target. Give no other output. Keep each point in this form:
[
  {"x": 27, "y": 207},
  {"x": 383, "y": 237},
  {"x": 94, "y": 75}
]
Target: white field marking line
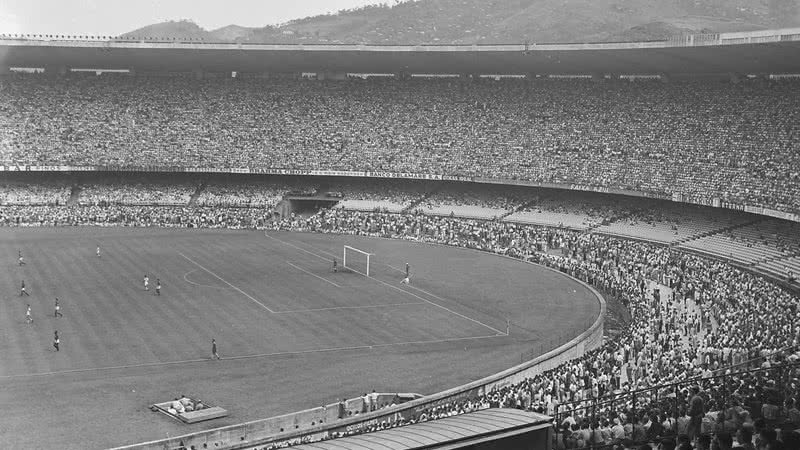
[
  {"x": 500, "y": 333},
  {"x": 261, "y": 355},
  {"x": 93, "y": 369},
  {"x": 226, "y": 282},
  {"x": 366, "y": 347},
  {"x": 333, "y": 308},
  {"x": 312, "y": 274},
  {"x": 198, "y": 284},
  {"x": 414, "y": 287}
]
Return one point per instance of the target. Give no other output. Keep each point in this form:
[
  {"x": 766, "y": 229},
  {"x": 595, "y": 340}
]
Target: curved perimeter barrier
[{"x": 323, "y": 422}]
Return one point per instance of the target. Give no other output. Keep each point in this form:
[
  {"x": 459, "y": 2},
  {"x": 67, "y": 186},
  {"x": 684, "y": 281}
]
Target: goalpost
[{"x": 356, "y": 260}]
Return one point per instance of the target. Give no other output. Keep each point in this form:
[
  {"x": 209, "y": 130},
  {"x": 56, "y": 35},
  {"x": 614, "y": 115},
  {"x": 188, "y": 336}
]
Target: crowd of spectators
[
  {"x": 136, "y": 216},
  {"x": 700, "y": 139},
  {"x": 243, "y": 194},
  {"x": 147, "y": 193},
  {"x": 34, "y": 194}
]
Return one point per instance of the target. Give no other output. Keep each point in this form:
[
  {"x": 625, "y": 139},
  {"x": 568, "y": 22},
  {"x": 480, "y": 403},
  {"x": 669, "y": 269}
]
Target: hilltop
[{"x": 506, "y": 21}]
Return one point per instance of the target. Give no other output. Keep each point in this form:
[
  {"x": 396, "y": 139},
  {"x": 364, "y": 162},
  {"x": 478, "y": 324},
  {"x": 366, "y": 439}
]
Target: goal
[{"x": 356, "y": 260}]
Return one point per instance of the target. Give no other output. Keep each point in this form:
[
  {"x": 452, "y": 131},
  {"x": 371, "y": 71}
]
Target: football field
[{"x": 291, "y": 333}]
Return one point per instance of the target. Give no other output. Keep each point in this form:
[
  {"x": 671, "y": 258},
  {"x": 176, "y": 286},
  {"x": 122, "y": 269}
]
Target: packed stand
[
  {"x": 698, "y": 139},
  {"x": 136, "y": 216},
  {"x": 136, "y": 190},
  {"x": 253, "y": 194},
  {"x": 41, "y": 193}
]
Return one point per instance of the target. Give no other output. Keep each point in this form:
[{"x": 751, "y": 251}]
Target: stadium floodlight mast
[{"x": 356, "y": 260}]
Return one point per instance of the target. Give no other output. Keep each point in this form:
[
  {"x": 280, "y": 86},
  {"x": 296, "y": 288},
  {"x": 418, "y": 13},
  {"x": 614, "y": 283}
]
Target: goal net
[{"x": 356, "y": 260}]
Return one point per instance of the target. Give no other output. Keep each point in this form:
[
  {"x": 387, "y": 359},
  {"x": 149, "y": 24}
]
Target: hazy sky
[{"x": 112, "y": 17}]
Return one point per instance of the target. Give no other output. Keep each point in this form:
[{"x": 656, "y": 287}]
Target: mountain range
[{"x": 503, "y": 21}]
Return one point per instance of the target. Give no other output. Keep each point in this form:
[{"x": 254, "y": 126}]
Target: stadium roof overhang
[
  {"x": 776, "y": 51},
  {"x": 470, "y": 430}
]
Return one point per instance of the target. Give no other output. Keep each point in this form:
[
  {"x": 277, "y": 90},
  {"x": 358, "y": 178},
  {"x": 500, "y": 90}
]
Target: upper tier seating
[{"x": 699, "y": 139}]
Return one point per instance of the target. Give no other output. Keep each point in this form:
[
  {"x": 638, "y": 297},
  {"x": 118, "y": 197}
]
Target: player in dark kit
[
  {"x": 408, "y": 271},
  {"x": 158, "y": 286},
  {"x": 20, "y": 258},
  {"x": 335, "y": 265},
  {"x": 56, "y": 341},
  {"x": 22, "y": 290},
  {"x": 214, "y": 354},
  {"x": 57, "y": 313}
]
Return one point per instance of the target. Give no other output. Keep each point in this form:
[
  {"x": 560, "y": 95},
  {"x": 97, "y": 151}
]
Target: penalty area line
[
  {"x": 226, "y": 282},
  {"x": 499, "y": 333},
  {"x": 363, "y": 347}
]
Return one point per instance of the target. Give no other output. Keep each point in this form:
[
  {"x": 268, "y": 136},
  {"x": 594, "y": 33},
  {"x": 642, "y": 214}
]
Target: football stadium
[{"x": 227, "y": 245}]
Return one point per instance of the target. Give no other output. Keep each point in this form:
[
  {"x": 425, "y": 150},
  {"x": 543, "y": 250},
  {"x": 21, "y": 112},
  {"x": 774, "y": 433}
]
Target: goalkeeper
[
  {"x": 335, "y": 265},
  {"x": 407, "y": 279}
]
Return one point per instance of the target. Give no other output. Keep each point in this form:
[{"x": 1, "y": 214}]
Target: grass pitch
[{"x": 291, "y": 333}]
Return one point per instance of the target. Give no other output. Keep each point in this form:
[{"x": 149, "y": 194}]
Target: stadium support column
[
  {"x": 198, "y": 74},
  {"x": 735, "y": 78},
  {"x": 664, "y": 77}
]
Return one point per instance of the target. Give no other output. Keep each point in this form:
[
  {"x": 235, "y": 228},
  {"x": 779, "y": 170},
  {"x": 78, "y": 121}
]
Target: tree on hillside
[{"x": 785, "y": 12}]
